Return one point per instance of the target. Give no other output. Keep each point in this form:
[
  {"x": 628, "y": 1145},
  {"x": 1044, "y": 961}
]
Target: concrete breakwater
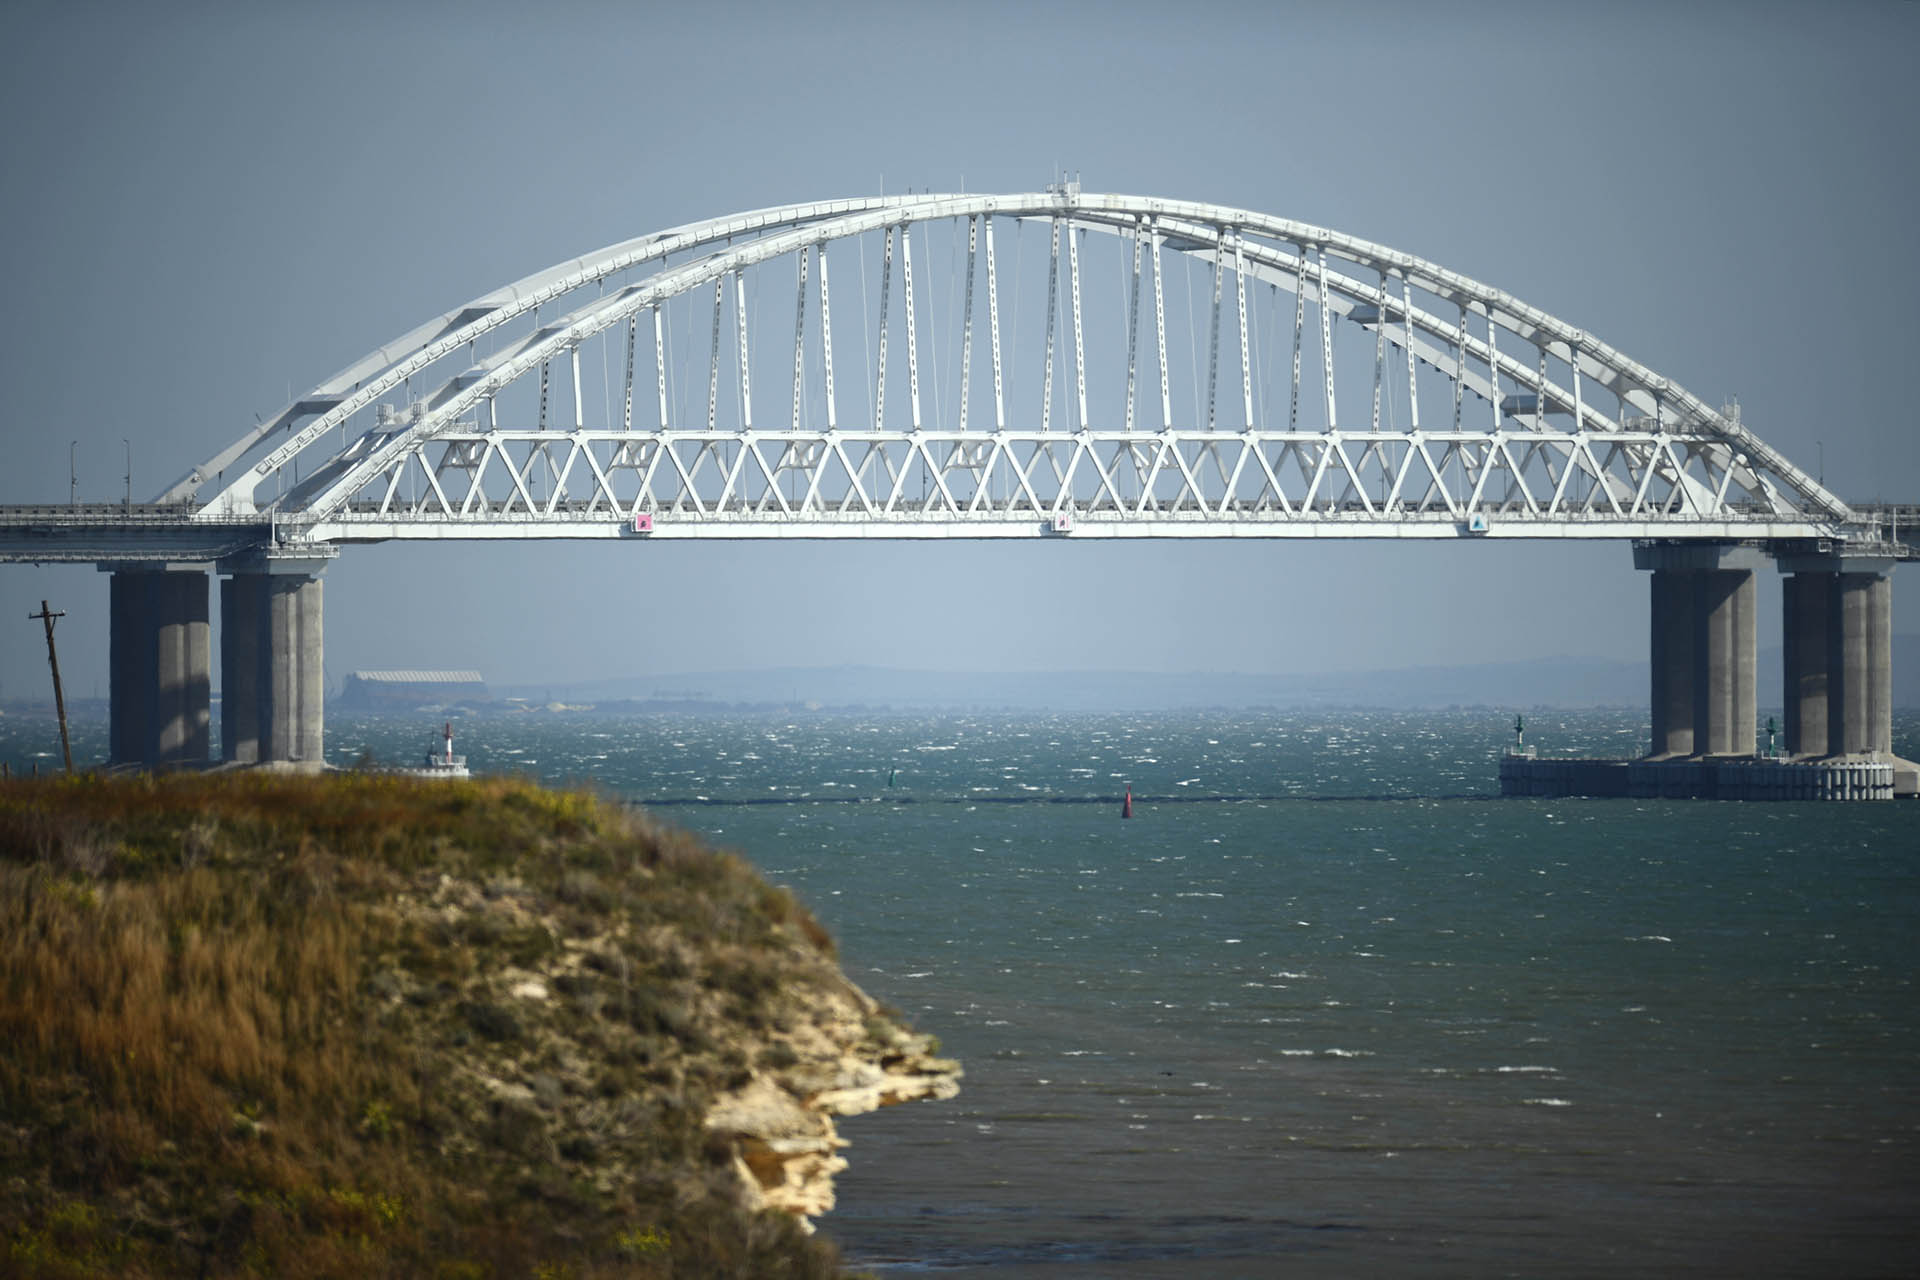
[{"x": 1752, "y": 779}]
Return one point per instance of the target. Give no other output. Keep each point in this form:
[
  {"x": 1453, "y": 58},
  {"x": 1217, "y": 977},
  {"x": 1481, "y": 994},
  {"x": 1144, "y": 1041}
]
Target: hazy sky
[{"x": 209, "y": 205}]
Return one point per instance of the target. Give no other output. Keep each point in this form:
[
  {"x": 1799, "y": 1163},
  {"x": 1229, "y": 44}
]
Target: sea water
[{"x": 1325, "y": 1005}]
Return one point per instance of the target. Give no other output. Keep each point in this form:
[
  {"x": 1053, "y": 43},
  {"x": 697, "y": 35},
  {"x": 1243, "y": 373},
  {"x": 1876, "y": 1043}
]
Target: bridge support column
[
  {"x": 1860, "y": 692},
  {"x": 159, "y": 677},
  {"x": 242, "y": 603},
  {"x": 1839, "y": 660},
  {"x": 1672, "y": 650},
  {"x": 1806, "y": 662},
  {"x": 1702, "y": 648},
  {"x": 272, "y": 663},
  {"x": 1726, "y": 705}
]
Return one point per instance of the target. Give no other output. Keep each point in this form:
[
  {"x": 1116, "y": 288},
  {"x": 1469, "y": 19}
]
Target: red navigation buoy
[{"x": 1126, "y": 806}]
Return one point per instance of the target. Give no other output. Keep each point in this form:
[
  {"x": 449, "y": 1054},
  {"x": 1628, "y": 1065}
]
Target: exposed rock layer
[
  {"x": 826, "y": 1049},
  {"x": 781, "y": 1122}
]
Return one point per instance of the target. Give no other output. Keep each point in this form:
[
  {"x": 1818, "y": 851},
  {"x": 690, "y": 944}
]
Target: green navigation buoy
[{"x": 890, "y": 774}]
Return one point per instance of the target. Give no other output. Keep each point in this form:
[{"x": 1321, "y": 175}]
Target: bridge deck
[{"x": 117, "y": 532}]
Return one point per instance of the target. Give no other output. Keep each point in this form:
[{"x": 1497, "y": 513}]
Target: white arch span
[{"x": 1548, "y": 456}]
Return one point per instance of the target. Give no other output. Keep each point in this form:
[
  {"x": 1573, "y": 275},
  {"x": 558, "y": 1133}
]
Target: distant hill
[{"x": 1535, "y": 682}]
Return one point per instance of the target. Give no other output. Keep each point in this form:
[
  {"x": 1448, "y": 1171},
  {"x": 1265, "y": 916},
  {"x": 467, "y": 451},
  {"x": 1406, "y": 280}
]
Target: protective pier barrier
[
  {"x": 1750, "y": 779},
  {"x": 1814, "y": 780},
  {"x": 1671, "y": 780},
  {"x": 1522, "y": 775}
]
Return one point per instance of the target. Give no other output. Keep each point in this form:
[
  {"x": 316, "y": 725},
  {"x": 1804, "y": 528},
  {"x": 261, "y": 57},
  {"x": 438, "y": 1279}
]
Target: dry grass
[{"x": 243, "y": 1016}]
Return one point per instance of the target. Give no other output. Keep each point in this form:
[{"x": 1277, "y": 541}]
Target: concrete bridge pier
[
  {"x": 159, "y": 675},
  {"x": 1726, "y": 693},
  {"x": 1672, "y": 649},
  {"x": 1860, "y": 645},
  {"x": 1838, "y": 632},
  {"x": 272, "y": 704},
  {"x": 1806, "y": 606},
  {"x": 1703, "y": 648}
]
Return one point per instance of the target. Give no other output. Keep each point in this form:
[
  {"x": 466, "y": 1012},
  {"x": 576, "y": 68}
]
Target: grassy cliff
[{"x": 359, "y": 1025}]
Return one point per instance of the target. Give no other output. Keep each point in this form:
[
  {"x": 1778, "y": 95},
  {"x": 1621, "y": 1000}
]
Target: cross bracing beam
[{"x": 1552, "y": 451}]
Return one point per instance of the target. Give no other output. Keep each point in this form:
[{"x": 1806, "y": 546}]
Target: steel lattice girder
[{"x": 785, "y": 483}]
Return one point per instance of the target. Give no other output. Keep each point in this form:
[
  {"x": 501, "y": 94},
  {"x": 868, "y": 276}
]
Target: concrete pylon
[
  {"x": 241, "y": 605},
  {"x": 1672, "y": 663},
  {"x": 1839, "y": 659},
  {"x": 1860, "y": 691},
  {"x": 1702, "y": 647},
  {"x": 1725, "y": 653},
  {"x": 1806, "y": 662},
  {"x": 159, "y": 677},
  {"x": 272, "y": 655}
]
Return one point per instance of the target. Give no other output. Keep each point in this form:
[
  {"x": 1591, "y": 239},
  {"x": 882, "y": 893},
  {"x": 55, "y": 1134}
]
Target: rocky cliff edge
[{"x": 361, "y": 1025}]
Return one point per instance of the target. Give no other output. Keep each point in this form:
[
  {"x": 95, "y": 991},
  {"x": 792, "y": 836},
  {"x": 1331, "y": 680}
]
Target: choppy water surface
[{"x": 1368, "y": 1019}]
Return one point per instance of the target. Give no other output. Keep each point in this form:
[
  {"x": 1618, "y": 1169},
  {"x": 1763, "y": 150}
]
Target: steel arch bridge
[
  {"x": 1051, "y": 364},
  {"x": 955, "y": 365}
]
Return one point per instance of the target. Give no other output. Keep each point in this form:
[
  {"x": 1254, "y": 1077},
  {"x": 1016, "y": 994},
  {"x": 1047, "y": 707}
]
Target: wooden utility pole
[{"x": 59, "y": 699}]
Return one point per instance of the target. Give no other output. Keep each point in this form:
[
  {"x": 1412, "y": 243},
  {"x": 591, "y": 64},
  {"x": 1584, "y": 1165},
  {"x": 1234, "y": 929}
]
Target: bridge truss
[{"x": 1004, "y": 365}]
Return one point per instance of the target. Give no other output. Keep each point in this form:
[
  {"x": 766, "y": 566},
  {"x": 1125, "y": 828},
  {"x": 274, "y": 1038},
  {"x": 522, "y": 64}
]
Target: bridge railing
[{"x": 104, "y": 513}]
